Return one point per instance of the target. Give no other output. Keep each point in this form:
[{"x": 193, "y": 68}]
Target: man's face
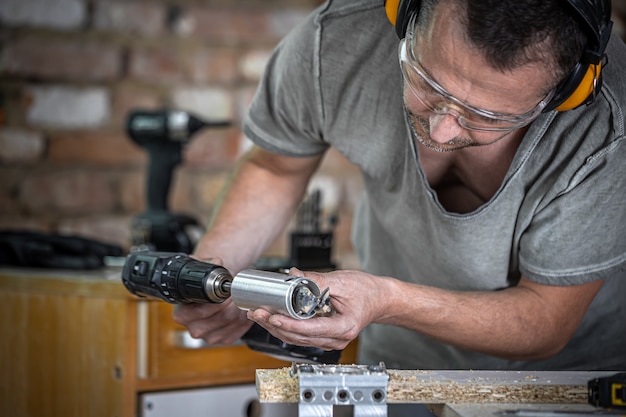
[{"x": 454, "y": 98}]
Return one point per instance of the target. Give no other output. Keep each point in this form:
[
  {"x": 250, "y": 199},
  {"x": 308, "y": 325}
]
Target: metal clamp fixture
[{"x": 323, "y": 386}]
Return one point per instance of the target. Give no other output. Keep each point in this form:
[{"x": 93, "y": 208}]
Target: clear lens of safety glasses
[{"x": 437, "y": 100}]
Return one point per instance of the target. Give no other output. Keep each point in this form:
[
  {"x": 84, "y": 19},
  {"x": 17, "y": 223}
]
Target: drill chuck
[{"x": 177, "y": 278}]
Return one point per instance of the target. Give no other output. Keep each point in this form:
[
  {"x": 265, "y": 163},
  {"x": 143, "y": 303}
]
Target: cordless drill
[
  {"x": 163, "y": 133},
  {"x": 179, "y": 279}
]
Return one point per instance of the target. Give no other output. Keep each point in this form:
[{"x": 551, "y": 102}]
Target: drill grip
[{"x": 164, "y": 157}]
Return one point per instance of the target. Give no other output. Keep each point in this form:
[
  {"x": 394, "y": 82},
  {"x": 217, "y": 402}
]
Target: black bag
[{"x": 49, "y": 250}]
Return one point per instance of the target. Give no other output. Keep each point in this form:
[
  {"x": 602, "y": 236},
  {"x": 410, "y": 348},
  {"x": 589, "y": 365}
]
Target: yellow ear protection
[
  {"x": 399, "y": 13},
  {"x": 583, "y": 82}
]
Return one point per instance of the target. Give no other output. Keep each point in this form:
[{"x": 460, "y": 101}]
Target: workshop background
[{"x": 71, "y": 70}]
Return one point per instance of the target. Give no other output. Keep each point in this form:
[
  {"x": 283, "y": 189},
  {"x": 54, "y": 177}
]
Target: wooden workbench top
[{"x": 102, "y": 282}]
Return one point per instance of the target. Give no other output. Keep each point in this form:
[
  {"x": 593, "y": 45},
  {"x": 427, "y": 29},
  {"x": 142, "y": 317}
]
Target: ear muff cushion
[
  {"x": 399, "y": 13},
  {"x": 579, "y": 87},
  {"x": 583, "y": 91},
  {"x": 391, "y": 8}
]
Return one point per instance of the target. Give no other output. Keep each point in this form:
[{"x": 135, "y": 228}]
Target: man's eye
[{"x": 485, "y": 120}]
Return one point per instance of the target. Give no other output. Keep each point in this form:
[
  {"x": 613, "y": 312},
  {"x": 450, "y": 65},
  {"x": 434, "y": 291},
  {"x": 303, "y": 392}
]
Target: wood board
[{"x": 443, "y": 387}]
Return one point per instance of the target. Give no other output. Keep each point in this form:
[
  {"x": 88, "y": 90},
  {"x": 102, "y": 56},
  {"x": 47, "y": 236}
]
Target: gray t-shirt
[{"x": 558, "y": 218}]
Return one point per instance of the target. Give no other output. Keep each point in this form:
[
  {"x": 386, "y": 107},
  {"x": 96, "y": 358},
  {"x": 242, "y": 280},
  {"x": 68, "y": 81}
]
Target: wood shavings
[
  {"x": 461, "y": 387},
  {"x": 277, "y": 385}
]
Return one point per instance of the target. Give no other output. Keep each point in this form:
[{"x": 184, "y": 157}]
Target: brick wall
[{"x": 70, "y": 70}]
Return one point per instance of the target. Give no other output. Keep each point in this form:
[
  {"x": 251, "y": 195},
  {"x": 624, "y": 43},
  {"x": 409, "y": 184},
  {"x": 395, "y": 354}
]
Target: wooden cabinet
[{"x": 76, "y": 344}]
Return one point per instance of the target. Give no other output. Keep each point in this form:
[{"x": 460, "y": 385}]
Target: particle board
[{"x": 448, "y": 387}]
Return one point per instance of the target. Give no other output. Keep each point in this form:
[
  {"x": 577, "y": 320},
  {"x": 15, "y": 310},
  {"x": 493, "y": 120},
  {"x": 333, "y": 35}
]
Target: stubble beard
[{"x": 420, "y": 128}]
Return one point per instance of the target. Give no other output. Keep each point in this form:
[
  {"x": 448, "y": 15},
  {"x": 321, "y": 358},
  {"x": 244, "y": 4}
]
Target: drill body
[{"x": 163, "y": 134}]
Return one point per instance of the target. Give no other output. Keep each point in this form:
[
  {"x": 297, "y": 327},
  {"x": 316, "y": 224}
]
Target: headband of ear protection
[{"x": 584, "y": 80}]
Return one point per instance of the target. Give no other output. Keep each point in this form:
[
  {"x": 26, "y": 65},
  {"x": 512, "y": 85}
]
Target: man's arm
[
  {"x": 261, "y": 198},
  {"x": 530, "y": 321},
  {"x": 259, "y": 202}
]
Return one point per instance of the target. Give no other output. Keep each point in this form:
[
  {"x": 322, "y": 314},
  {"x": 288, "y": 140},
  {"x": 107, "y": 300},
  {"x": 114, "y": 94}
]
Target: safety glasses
[{"x": 437, "y": 100}]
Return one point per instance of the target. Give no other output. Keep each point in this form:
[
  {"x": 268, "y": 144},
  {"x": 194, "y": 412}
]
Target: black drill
[
  {"x": 163, "y": 133},
  {"x": 177, "y": 278}
]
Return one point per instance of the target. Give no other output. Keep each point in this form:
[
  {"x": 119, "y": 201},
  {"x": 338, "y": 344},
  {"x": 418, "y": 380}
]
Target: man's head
[
  {"x": 513, "y": 33},
  {"x": 502, "y": 58}
]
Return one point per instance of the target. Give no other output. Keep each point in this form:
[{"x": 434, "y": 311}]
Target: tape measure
[{"x": 608, "y": 391}]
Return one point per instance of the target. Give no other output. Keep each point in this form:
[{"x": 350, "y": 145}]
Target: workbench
[
  {"x": 77, "y": 344},
  {"x": 374, "y": 391}
]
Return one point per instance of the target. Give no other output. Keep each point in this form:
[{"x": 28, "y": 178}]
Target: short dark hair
[{"x": 511, "y": 33}]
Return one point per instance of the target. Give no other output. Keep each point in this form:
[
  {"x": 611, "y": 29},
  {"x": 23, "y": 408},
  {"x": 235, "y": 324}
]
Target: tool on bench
[
  {"x": 178, "y": 278},
  {"x": 321, "y": 387},
  {"x": 163, "y": 133},
  {"x": 608, "y": 391}
]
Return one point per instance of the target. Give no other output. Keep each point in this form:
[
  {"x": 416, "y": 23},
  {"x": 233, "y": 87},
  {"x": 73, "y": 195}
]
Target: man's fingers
[{"x": 313, "y": 332}]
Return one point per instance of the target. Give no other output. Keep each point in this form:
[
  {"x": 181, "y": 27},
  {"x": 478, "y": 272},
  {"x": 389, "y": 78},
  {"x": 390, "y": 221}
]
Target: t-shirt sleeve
[
  {"x": 580, "y": 234},
  {"x": 286, "y": 115}
]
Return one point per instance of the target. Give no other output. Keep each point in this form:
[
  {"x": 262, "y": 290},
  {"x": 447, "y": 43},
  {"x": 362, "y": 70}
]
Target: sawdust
[
  {"x": 404, "y": 387},
  {"x": 432, "y": 387},
  {"x": 277, "y": 385}
]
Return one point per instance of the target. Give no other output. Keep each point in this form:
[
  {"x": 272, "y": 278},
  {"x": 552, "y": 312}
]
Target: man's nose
[{"x": 444, "y": 127}]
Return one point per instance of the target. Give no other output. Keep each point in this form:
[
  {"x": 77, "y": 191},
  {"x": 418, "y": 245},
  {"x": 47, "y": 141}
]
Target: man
[{"x": 491, "y": 231}]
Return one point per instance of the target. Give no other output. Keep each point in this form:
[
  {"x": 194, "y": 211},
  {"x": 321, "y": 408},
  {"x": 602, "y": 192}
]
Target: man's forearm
[
  {"x": 259, "y": 202},
  {"x": 527, "y": 322}
]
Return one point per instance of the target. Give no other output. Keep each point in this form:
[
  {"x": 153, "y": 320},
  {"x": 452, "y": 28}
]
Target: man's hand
[
  {"x": 352, "y": 311},
  {"x": 215, "y": 323}
]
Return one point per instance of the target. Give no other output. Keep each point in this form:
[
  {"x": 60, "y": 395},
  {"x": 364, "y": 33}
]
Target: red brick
[
  {"x": 88, "y": 147},
  {"x": 210, "y": 103},
  {"x": 21, "y": 145},
  {"x": 58, "y": 14},
  {"x": 161, "y": 65},
  {"x": 10, "y": 178},
  {"x": 65, "y": 106},
  {"x": 213, "y": 66},
  {"x": 212, "y": 148},
  {"x": 180, "y": 195},
  {"x": 230, "y": 25},
  {"x": 64, "y": 59},
  {"x": 130, "y": 97},
  {"x": 252, "y": 64},
  {"x": 244, "y": 98},
  {"x": 141, "y": 18},
  {"x": 72, "y": 192},
  {"x": 26, "y": 223},
  {"x": 132, "y": 189},
  {"x": 207, "y": 188}
]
